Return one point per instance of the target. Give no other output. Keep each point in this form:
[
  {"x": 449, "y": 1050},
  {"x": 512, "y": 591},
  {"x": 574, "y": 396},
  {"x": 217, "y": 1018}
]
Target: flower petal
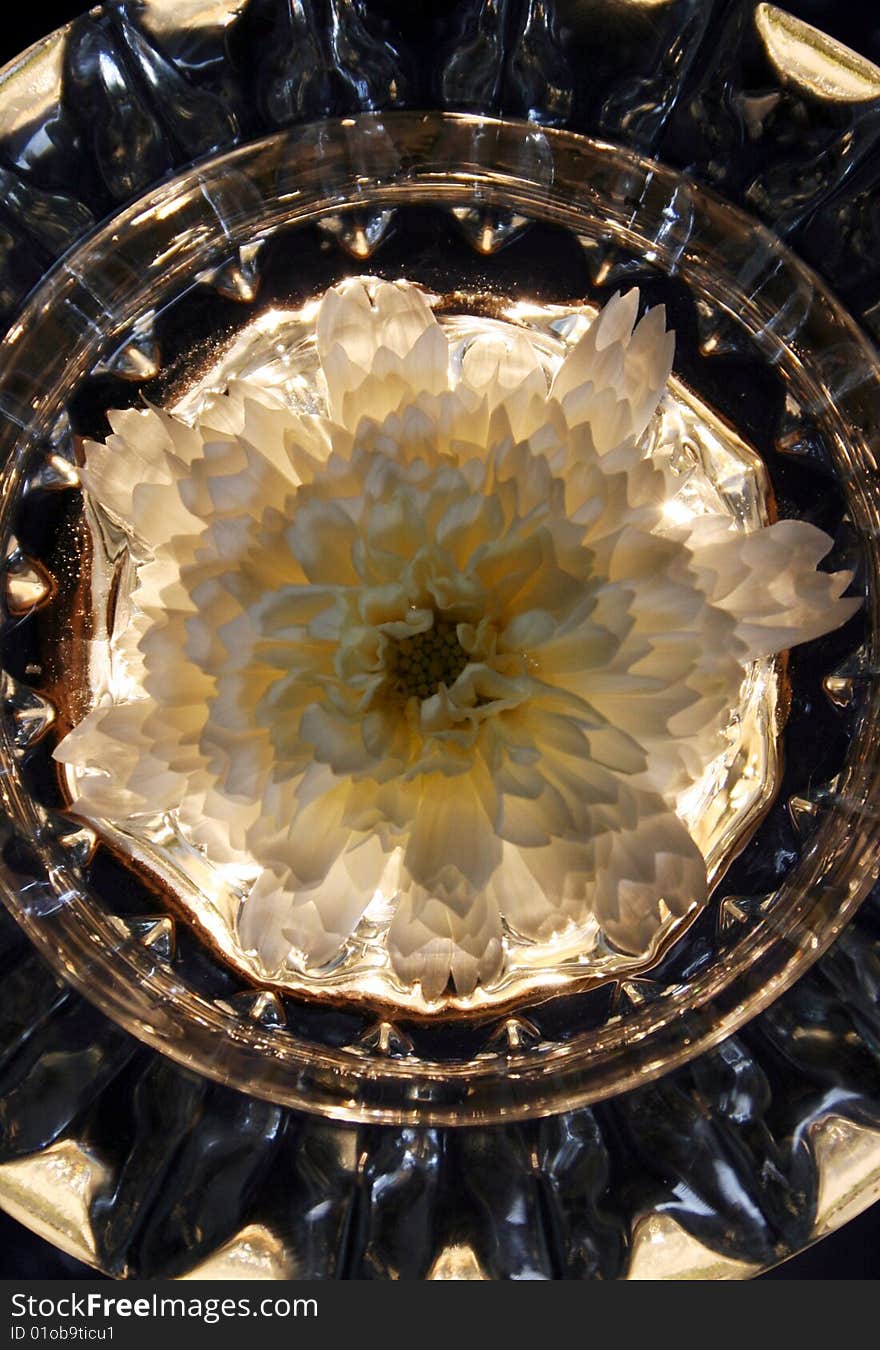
[
  {"x": 612, "y": 379},
  {"x": 378, "y": 342},
  {"x": 434, "y": 940},
  {"x": 322, "y": 538},
  {"x": 769, "y": 582},
  {"x": 502, "y": 366},
  {"x": 452, "y": 837}
]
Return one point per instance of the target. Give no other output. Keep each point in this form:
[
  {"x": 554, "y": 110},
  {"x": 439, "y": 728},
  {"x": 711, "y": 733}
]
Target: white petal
[
  {"x": 613, "y": 378},
  {"x": 457, "y": 938},
  {"x": 377, "y": 342},
  {"x": 322, "y": 539},
  {"x": 502, "y": 366},
  {"x": 655, "y": 860},
  {"x": 321, "y": 920},
  {"x": 302, "y": 830},
  {"x": 452, "y": 837},
  {"x": 768, "y": 580}
]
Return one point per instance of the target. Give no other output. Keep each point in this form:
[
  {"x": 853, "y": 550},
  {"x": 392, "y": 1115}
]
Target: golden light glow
[{"x": 820, "y": 65}]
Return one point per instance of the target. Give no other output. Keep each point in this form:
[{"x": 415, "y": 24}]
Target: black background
[{"x": 853, "y": 1252}]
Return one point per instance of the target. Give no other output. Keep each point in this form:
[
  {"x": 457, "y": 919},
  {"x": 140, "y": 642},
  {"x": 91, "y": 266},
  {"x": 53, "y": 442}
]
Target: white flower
[{"x": 438, "y": 641}]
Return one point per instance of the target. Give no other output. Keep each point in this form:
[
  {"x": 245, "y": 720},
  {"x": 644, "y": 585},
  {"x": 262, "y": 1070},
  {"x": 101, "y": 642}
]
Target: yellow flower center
[{"x": 418, "y": 665}]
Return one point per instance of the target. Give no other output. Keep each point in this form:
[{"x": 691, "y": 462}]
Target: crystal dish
[{"x": 587, "y": 1094}]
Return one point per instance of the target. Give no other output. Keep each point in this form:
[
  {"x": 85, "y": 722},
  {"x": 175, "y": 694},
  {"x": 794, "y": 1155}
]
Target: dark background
[{"x": 853, "y": 1252}]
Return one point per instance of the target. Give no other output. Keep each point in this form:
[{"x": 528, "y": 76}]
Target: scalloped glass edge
[{"x": 847, "y": 1158}]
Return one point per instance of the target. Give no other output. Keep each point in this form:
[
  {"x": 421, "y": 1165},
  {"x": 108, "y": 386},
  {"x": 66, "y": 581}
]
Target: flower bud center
[{"x": 418, "y": 665}]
